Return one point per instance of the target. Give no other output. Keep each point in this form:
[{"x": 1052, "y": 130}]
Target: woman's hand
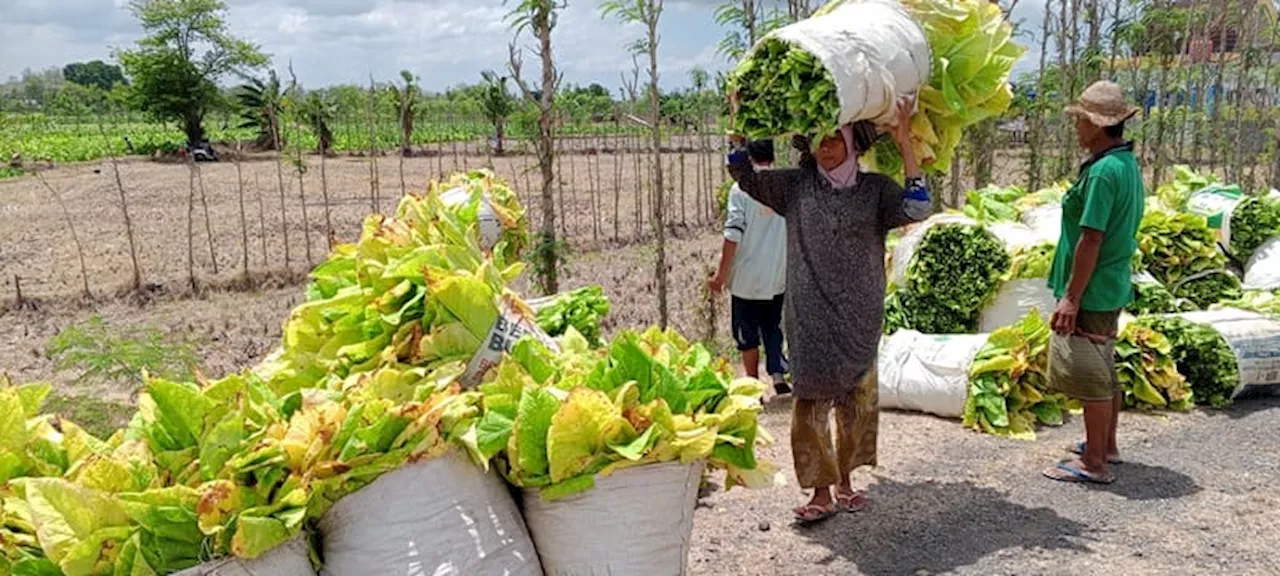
[
  {"x": 902, "y": 136},
  {"x": 901, "y": 131},
  {"x": 734, "y": 138}
]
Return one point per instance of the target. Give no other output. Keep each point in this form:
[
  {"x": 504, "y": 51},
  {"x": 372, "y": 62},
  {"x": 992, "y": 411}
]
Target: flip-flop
[
  {"x": 1078, "y": 449},
  {"x": 1065, "y": 472},
  {"x": 851, "y": 502},
  {"x": 812, "y": 513}
]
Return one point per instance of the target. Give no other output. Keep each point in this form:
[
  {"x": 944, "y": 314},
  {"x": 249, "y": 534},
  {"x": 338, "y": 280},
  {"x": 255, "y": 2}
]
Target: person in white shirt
[{"x": 753, "y": 263}]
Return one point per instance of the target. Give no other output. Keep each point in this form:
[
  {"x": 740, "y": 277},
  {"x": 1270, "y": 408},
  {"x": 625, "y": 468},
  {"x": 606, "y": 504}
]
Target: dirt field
[
  {"x": 1198, "y": 494},
  {"x": 37, "y": 248}
]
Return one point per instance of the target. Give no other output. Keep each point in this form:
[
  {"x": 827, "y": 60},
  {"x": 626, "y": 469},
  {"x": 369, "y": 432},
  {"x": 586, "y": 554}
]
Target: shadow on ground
[
  {"x": 1138, "y": 481},
  {"x": 938, "y": 527},
  {"x": 1249, "y": 405}
]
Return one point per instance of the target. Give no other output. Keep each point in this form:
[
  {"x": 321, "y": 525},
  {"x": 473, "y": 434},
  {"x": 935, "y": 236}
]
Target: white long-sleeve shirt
[{"x": 760, "y": 263}]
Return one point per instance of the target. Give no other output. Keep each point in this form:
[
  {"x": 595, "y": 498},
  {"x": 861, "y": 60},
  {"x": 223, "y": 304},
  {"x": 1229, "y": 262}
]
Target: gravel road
[{"x": 1197, "y": 495}]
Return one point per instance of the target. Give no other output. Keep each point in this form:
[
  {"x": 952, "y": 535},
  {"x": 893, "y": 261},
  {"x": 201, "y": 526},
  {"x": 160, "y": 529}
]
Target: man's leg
[
  {"x": 746, "y": 334},
  {"x": 1084, "y": 369},
  {"x": 751, "y": 362},
  {"x": 1117, "y": 404},
  {"x": 771, "y": 335},
  {"x": 1099, "y": 434}
]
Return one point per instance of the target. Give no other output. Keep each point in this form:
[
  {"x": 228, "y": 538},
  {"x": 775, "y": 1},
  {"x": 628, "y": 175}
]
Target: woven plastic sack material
[
  {"x": 289, "y": 559},
  {"x": 1014, "y": 300},
  {"x": 441, "y": 517},
  {"x": 927, "y": 373},
  {"x": 1217, "y": 203},
  {"x": 515, "y": 320},
  {"x": 1254, "y": 340},
  {"x": 1262, "y": 272},
  {"x": 874, "y": 51},
  {"x": 1044, "y": 221},
  {"x": 490, "y": 226},
  {"x": 1015, "y": 235},
  {"x": 634, "y": 522}
]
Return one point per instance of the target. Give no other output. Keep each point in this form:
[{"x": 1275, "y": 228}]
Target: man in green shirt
[{"x": 1092, "y": 278}]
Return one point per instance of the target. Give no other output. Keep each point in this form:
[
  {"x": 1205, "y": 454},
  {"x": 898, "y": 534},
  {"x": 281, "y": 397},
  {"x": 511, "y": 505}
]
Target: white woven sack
[
  {"x": 1014, "y": 235},
  {"x": 1254, "y": 340},
  {"x": 927, "y": 373},
  {"x": 490, "y": 226},
  {"x": 874, "y": 51},
  {"x": 1045, "y": 221},
  {"x": 635, "y": 522},
  {"x": 289, "y": 559},
  {"x": 1014, "y": 301},
  {"x": 1262, "y": 272},
  {"x": 443, "y": 517}
]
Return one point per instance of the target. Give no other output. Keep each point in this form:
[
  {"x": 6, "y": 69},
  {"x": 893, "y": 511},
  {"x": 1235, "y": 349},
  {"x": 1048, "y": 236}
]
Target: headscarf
[{"x": 846, "y": 174}]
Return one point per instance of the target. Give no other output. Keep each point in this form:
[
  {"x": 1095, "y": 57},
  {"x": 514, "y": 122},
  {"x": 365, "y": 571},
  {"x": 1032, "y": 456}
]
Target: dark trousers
[{"x": 760, "y": 321}]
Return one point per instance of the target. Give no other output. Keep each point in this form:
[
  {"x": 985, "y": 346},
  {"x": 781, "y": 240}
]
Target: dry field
[{"x": 38, "y": 250}]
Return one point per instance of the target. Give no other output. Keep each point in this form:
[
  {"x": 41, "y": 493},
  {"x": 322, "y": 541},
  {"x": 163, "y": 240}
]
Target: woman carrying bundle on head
[{"x": 837, "y": 219}]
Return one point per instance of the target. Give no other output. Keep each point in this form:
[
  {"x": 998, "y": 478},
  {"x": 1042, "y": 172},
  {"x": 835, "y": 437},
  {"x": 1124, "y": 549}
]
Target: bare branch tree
[
  {"x": 124, "y": 209},
  {"x": 539, "y": 17},
  {"x": 373, "y": 147},
  {"x": 300, "y": 159},
  {"x": 648, "y": 13},
  {"x": 244, "y": 223},
  {"x": 208, "y": 223},
  {"x": 75, "y": 238}
]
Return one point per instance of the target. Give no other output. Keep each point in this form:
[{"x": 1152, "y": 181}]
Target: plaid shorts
[{"x": 1082, "y": 368}]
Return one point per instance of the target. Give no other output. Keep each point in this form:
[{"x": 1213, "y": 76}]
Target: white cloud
[{"x": 445, "y": 42}]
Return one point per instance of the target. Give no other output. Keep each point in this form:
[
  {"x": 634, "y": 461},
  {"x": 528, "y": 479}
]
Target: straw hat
[{"x": 1103, "y": 104}]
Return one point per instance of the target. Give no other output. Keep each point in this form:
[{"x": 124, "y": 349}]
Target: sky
[{"x": 444, "y": 42}]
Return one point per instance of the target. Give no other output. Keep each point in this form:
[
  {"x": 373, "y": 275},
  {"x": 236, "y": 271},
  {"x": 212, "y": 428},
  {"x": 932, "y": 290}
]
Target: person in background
[
  {"x": 837, "y": 219},
  {"x": 753, "y": 262},
  {"x": 1092, "y": 278}
]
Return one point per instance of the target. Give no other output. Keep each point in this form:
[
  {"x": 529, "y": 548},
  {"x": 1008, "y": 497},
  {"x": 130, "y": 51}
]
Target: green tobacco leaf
[{"x": 528, "y": 444}]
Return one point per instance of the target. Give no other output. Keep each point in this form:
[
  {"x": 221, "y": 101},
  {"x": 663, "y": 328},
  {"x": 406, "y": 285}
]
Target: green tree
[
  {"x": 93, "y": 73},
  {"x": 175, "y": 69},
  {"x": 75, "y": 100},
  {"x": 497, "y": 103}
]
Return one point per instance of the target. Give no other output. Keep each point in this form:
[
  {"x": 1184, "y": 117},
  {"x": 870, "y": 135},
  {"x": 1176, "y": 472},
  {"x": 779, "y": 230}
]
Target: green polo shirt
[{"x": 1107, "y": 197}]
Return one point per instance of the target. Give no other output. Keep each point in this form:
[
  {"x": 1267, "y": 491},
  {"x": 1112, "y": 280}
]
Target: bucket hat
[{"x": 1103, "y": 104}]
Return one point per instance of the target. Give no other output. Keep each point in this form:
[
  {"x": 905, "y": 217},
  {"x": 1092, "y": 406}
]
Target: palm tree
[{"x": 260, "y": 103}]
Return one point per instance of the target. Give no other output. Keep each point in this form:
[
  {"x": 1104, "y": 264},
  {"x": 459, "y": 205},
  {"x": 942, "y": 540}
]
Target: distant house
[
  {"x": 1223, "y": 34},
  {"x": 1222, "y": 38}
]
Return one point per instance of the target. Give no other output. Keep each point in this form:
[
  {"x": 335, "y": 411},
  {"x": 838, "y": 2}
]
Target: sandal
[
  {"x": 811, "y": 513},
  {"x": 1078, "y": 448},
  {"x": 851, "y": 501},
  {"x": 1067, "y": 471}
]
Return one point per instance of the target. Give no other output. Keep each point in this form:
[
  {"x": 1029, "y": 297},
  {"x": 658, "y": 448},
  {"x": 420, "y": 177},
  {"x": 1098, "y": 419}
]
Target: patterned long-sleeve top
[{"x": 835, "y": 266}]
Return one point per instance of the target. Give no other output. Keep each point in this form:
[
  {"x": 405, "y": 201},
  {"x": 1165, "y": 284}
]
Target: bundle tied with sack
[{"x": 854, "y": 59}]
